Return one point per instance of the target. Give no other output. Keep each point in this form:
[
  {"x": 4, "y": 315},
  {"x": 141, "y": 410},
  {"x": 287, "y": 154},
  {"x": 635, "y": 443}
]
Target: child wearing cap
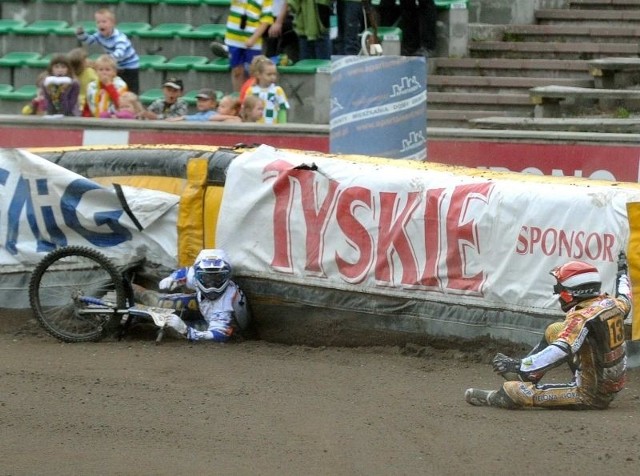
[
  {"x": 116, "y": 44},
  {"x": 206, "y": 103},
  {"x": 171, "y": 105}
]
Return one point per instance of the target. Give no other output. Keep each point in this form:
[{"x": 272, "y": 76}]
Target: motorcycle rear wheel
[{"x": 63, "y": 277}]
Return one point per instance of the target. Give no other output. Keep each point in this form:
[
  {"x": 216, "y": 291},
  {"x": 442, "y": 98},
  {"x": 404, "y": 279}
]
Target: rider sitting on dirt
[
  {"x": 591, "y": 339},
  {"x": 220, "y": 301}
]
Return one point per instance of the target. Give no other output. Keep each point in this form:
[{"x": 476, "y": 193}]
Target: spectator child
[
  {"x": 246, "y": 24},
  {"x": 117, "y": 45},
  {"x": 130, "y": 108},
  {"x": 171, "y": 105},
  {"x": 206, "y": 103},
  {"x": 252, "y": 109},
  {"x": 60, "y": 88},
  {"x": 84, "y": 72},
  {"x": 272, "y": 95},
  {"x": 251, "y": 80},
  {"x": 228, "y": 110},
  {"x": 103, "y": 95},
  {"x": 38, "y": 105}
]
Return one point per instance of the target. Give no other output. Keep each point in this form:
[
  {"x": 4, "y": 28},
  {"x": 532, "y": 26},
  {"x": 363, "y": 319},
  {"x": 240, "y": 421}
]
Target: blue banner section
[{"x": 379, "y": 106}]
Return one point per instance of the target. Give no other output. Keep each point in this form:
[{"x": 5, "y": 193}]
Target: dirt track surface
[{"x": 133, "y": 407}]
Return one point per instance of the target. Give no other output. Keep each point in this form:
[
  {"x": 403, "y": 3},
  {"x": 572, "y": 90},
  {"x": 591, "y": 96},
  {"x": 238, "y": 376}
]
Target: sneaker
[
  {"x": 219, "y": 49},
  {"x": 479, "y": 398}
]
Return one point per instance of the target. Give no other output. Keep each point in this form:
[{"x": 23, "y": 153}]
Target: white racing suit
[
  {"x": 593, "y": 336},
  {"x": 219, "y": 313}
]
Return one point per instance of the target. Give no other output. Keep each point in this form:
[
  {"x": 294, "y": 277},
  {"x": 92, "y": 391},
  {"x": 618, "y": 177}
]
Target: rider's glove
[
  {"x": 623, "y": 265},
  {"x": 623, "y": 287},
  {"x": 174, "y": 280},
  {"x": 507, "y": 367}
]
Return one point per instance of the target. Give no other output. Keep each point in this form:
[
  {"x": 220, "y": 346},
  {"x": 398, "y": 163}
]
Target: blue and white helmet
[{"x": 212, "y": 272}]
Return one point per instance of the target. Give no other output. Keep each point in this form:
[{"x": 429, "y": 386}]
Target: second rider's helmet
[
  {"x": 212, "y": 275},
  {"x": 575, "y": 282}
]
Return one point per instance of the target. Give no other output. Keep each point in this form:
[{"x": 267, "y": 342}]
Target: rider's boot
[{"x": 490, "y": 398}]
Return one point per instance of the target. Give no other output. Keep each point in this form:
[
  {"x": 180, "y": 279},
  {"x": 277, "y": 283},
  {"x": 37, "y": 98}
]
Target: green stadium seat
[
  {"x": 39, "y": 63},
  {"x": 165, "y": 30},
  {"x": 186, "y": 3},
  {"x": 41, "y": 27},
  {"x": 308, "y": 66},
  {"x": 101, "y": 1},
  {"x": 208, "y": 31},
  {"x": 217, "y": 3},
  {"x": 5, "y": 88},
  {"x": 59, "y": 1},
  {"x": 181, "y": 63},
  {"x": 88, "y": 25},
  {"x": 143, "y": 2},
  {"x": 218, "y": 65},
  {"x": 17, "y": 59},
  {"x": 448, "y": 4},
  {"x": 151, "y": 61},
  {"x": 7, "y": 25},
  {"x": 147, "y": 97},
  {"x": 23, "y": 93},
  {"x": 133, "y": 28}
]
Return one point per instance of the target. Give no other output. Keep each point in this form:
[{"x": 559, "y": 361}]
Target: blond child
[
  {"x": 130, "y": 107},
  {"x": 273, "y": 96},
  {"x": 103, "y": 95},
  {"x": 252, "y": 109},
  {"x": 116, "y": 44},
  {"x": 228, "y": 110},
  {"x": 83, "y": 70}
]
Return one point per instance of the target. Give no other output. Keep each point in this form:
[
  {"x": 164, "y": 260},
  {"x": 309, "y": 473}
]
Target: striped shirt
[
  {"x": 273, "y": 98},
  {"x": 117, "y": 45},
  {"x": 101, "y": 98},
  {"x": 255, "y": 12}
]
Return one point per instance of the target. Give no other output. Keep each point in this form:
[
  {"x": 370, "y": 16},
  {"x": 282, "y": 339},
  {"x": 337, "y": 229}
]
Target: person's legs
[
  {"x": 322, "y": 46},
  {"x": 410, "y": 24},
  {"x": 353, "y": 24},
  {"x": 306, "y": 48},
  {"x": 132, "y": 78},
  {"x": 238, "y": 58},
  {"x": 428, "y": 24}
]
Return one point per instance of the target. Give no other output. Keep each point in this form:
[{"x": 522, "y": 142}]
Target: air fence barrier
[{"x": 331, "y": 250}]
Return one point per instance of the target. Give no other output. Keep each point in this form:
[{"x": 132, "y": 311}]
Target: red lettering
[
  {"x": 283, "y": 192},
  {"x": 355, "y": 232},
  {"x": 431, "y": 237},
  {"x": 393, "y": 239},
  {"x": 462, "y": 235}
]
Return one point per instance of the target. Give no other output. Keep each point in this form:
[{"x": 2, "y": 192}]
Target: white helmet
[{"x": 212, "y": 272}]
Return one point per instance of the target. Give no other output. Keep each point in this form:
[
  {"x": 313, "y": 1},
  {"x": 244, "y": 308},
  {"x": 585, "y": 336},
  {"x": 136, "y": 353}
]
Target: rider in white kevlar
[{"x": 220, "y": 301}]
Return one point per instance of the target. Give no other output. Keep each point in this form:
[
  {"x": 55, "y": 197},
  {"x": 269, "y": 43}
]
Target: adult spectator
[{"x": 311, "y": 24}]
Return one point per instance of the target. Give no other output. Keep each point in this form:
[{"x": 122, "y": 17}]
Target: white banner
[
  {"x": 417, "y": 231},
  {"x": 44, "y": 206}
]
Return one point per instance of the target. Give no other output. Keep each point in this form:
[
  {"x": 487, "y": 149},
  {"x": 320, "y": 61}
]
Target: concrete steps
[{"x": 505, "y": 61}]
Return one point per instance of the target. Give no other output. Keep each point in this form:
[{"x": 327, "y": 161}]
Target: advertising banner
[
  {"x": 44, "y": 206},
  {"x": 418, "y": 231},
  {"x": 379, "y": 106}
]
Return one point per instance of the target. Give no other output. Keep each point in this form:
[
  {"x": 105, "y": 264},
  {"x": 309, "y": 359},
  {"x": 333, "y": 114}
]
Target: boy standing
[
  {"x": 117, "y": 45},
  {"x": 246, "y": 23}
]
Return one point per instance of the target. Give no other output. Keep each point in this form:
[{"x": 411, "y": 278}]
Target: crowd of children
[{"x": 107, "y": 87}]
